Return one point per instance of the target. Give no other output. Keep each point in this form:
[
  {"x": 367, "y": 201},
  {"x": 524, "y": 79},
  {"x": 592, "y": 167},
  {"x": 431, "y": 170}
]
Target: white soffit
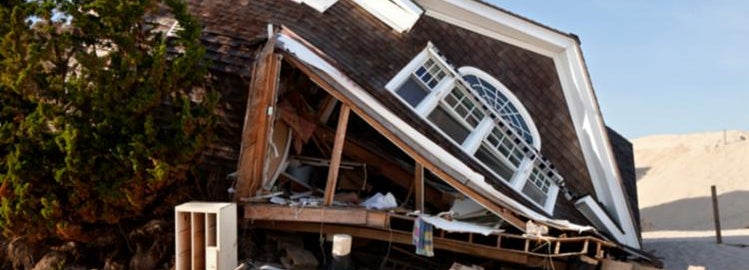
[
  {"x": 400, "y": 15},
  {"x": 584, "y": 110}
]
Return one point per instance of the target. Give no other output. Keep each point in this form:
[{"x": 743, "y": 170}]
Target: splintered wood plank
[
  {"x": 258, "y": 121},
  {"x": 335, "y": 159},
  {"x": 354, "y": 216},
  {"x": 419, "y": 186}
]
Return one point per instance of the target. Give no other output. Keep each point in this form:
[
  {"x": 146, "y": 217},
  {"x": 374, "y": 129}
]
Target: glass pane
[
  {"x": 470, "y": 79},
  {"x": 450, "y": 99},
  {"x": 484, "y": 155},
  {"x": 412, "y": 92},
  {"x": 420, "y": 72},
  {"x": 448, "y": 124},
  {"x": 432, "y": 84},
  {"x": 534, "y": 193}
]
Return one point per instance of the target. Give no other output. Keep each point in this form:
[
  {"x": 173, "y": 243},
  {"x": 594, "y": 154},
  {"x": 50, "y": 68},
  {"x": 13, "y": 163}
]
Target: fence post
[{"x": 716, "y": 216}]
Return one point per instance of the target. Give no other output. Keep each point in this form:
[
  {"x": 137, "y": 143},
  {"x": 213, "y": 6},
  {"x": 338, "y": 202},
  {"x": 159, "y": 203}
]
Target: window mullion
[
  {"x": 551, "y": 200},
  {"x": 472, "y": 144},
  {"x": 522, "y": 174},
  {"x": 433, "y": 99}
]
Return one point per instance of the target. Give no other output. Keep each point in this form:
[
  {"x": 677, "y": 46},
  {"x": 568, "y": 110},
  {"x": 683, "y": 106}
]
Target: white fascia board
[
  {"x": 489, "y": 21},
  {"x": 576, "y": 85},
  {"x": 465, "y": 174},
  {"x": 400, "y": 15},
  {"x": 319, "y": 5},
  {"x": 591, "y": 131}
]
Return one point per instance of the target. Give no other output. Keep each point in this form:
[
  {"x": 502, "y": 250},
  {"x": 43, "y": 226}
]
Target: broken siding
[{"x": 347, "y": 33}]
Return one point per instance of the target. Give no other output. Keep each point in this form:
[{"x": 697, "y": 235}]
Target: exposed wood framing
[
  {"x": 384, "y": 166},
  {"x": 258, "y": 121},
  {"x": 335, "y": 159},
  {"x": 419, "y": 187},
  {"x": 484, "y": 246},
  {"x": 504, "y": 255},
  {"x": 421, "y": 157},
  {"x": 327, "y": 109}
]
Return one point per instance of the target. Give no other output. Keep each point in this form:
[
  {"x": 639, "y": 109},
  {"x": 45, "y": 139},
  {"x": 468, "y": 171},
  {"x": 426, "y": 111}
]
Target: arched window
[
  {"x": 468, "y": 111},
  {"x": 503, "y": 102}
]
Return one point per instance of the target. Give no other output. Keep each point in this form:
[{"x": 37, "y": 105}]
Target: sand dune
[{"x": 675, "y": 173}]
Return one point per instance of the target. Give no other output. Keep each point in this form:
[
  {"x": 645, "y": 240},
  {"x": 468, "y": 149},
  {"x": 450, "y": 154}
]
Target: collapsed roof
[{"x": 542, "y": 67}]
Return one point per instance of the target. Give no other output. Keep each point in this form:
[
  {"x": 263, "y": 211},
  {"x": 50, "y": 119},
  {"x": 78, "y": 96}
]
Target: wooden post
[
  {"x": 419, "y": 187},
  {"x": 258, "y": 121},
  {"x": 335, "y": 157},
  {"x": 716, "y": 215}
]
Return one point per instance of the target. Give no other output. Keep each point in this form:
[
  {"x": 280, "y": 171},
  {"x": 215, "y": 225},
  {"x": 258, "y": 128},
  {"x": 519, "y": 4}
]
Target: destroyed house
[{"x": 371, "y": 117}]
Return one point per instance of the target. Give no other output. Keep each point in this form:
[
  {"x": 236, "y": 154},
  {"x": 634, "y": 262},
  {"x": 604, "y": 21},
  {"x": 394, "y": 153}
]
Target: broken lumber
[{"x": 258, "y": 121}]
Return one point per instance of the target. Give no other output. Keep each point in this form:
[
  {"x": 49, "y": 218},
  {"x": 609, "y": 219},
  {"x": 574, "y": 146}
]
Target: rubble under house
[{"x": 384, "y": 118}]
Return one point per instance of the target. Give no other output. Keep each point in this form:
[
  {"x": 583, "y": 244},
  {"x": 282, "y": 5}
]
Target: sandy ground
[
  {"x": 675, "y": 173},
  {"x": 681, "y": 249}
]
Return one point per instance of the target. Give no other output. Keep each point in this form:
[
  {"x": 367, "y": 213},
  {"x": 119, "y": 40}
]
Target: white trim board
[
  {"x": 400, "y": 15},
  {"x": 319, "y": 5},
  {"x": 576, "y": 85}
]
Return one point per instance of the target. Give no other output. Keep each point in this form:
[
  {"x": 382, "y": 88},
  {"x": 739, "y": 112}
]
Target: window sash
[{"x": 451, "y": 125}]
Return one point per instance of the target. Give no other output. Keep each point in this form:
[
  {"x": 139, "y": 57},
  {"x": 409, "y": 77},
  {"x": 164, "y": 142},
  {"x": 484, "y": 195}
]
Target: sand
[
  {"x": 675, "y": 173},
  {"x": 681, "y": 249}
]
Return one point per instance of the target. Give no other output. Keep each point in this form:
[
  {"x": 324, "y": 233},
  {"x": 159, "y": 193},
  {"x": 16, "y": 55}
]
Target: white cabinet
[{"x": 205, "y": 236}]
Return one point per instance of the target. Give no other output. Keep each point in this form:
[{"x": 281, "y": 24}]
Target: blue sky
[{"x": 659, "y": 67}]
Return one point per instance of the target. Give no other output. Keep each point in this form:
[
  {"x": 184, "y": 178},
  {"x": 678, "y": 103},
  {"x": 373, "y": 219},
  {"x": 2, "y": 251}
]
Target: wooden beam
[
  {"x": 353, "y": 216},
  {"x": 419, "y": 187},
  {"x": 327, "y": 109},
  {"x": 335, "y": 159},
  {"x": 404, "y": 238},
  {"x": 258, "y": 121},
  {"x": 404, "y": 143},
  {"x": 384, "y": 166}
]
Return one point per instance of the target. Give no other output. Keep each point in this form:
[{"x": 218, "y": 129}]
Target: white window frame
[
  {"x": 319, "y": 5},
  {"x": 468, "y": 70},
  {"x": 485, "y": 126}
]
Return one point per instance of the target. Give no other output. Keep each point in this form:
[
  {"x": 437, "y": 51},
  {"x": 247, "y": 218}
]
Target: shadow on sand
[
  {"x": 696, "y": 214},
  {"x": 640, "y": 172}
]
